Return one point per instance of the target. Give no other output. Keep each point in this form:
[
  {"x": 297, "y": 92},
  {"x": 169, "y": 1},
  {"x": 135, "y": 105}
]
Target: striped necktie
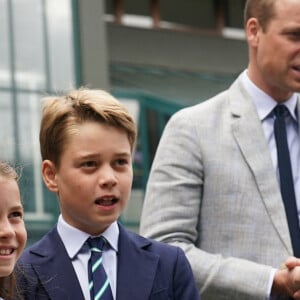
[{"x": 98, "y": 281}]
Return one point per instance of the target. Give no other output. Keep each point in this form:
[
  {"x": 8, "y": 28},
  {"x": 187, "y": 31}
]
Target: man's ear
[
  {"x": 253, "y": 32},
  {"x": 49, "y": 175}
]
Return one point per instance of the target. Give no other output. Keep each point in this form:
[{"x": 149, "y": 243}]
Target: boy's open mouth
[{"x": 106, "y": 201}]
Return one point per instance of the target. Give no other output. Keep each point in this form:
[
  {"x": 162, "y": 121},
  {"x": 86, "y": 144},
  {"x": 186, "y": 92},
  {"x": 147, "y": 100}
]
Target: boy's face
[{"x": 94, "y": 179}]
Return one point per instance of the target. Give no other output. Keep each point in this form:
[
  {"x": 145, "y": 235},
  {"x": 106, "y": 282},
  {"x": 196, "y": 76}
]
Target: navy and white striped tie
[{"x": 98, "y": 281}]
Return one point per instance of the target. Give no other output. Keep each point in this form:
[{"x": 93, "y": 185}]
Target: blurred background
[{"x": 156, "y": 56}]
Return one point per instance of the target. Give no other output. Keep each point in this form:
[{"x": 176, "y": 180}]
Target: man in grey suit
[{"x": 214, "y": 184}]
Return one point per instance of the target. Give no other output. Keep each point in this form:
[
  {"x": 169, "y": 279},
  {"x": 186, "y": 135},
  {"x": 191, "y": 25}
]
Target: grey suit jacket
[{"x": 213, "y": 191}]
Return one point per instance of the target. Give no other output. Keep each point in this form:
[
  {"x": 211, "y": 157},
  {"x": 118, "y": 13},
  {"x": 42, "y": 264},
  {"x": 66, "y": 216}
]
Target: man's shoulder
[{"x": 205, "y": 106}]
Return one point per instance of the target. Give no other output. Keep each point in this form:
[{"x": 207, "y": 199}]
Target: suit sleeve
[
  {"x": 171, "y": 214},
  {"x": 184, "y": 282}
]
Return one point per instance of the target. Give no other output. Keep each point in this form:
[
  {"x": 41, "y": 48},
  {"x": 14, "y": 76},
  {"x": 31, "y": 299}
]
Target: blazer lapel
[
  {"x": 136, "y": 267},
  {"x": 53, "y": 257},
  {"x": 249, "y": 135},
  {"x": 298, "y": 115}
]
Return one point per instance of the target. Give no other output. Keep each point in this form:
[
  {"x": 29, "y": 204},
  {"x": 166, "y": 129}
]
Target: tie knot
[
  {"x": 96, "y": 244},
  {"x": 281, "y": 111}
]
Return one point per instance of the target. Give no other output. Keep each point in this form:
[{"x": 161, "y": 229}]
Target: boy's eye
[
  {"x": 122, "y": 162},
  {"x": 89, "y": 164},
  {"x": 294, "y": 34}
]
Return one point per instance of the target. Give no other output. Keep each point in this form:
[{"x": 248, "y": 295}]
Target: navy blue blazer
[{"x": 146, "y": 269}]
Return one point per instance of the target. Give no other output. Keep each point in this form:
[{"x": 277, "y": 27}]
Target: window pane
[
  {"x": 109, "y": 6},
  {"x": 235, "y": 14},
  {"x": 28, "y": 33},
  {"x": 28, "y": 126},
  {"x": 5, "y": 74},
  {"x": 137, "y": 7},
  {"x": 59, "y": 15},
  {"x": 190, "y": 12},
  {"x": 7, "y": 140},
  {"x": 28, "y": 132}
]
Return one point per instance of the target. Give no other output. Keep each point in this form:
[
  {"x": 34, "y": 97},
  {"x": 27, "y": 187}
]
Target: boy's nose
[{"x": 107, "y": 178}]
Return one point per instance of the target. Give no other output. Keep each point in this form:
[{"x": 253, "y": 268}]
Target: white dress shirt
[
  {"x": 265, "y": 105},
  {"x": 79, "y": 253}
]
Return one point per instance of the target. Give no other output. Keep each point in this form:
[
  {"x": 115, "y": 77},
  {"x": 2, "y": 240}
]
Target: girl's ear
[{"x": 49, "y": 175}]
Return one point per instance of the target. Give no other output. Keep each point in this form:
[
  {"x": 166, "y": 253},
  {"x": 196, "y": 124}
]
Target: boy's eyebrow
[
  {"x": 123, "y": 154},
  {"x": 97, "y": 155}
]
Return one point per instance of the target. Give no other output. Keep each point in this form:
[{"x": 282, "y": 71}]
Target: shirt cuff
[{"x": 270, "y": 283}]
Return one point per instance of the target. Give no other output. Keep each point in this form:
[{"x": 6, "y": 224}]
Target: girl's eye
[{"x": 16, "y": 214}]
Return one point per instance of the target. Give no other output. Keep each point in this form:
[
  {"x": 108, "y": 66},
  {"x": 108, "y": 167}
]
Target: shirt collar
[
  {"x": 263, "y": 102},
  {"x": 74, "y": 238}
]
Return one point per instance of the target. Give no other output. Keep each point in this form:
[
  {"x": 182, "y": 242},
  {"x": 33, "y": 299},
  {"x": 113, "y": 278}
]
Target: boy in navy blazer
[{"x": 87, "y": 139}]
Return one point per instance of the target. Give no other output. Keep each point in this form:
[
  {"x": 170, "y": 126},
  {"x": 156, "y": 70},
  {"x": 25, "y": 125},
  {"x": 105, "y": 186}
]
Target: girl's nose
[{"x": 6, "y": 229}]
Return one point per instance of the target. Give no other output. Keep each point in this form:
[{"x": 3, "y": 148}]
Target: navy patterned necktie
[
  {"x": 98, "y": 281},
  {"x": 286, "y": 176}
]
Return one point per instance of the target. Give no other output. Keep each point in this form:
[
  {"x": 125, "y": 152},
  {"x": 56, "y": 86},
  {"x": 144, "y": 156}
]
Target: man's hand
[
  {"x": 287, "y": 279},
  {"x": 292, "y": 262}
]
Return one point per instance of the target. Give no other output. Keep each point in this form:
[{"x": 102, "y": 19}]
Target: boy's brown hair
[{"x": 61, "y": 113}]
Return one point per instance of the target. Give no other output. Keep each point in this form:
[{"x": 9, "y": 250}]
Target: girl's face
[{"x": 13, "y": 234}]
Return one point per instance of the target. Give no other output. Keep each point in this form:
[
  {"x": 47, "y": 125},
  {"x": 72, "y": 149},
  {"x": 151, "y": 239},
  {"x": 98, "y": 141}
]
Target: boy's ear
[{"x": 49, "y": 175}]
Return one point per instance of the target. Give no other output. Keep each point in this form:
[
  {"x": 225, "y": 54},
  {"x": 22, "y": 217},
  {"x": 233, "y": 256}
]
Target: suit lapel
[
  {"x": 298, "y": 114},
  {"x": 249, "y": 135},
  {"x": 53, "y": 257},
  {"x": 136, "y": 267}
]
